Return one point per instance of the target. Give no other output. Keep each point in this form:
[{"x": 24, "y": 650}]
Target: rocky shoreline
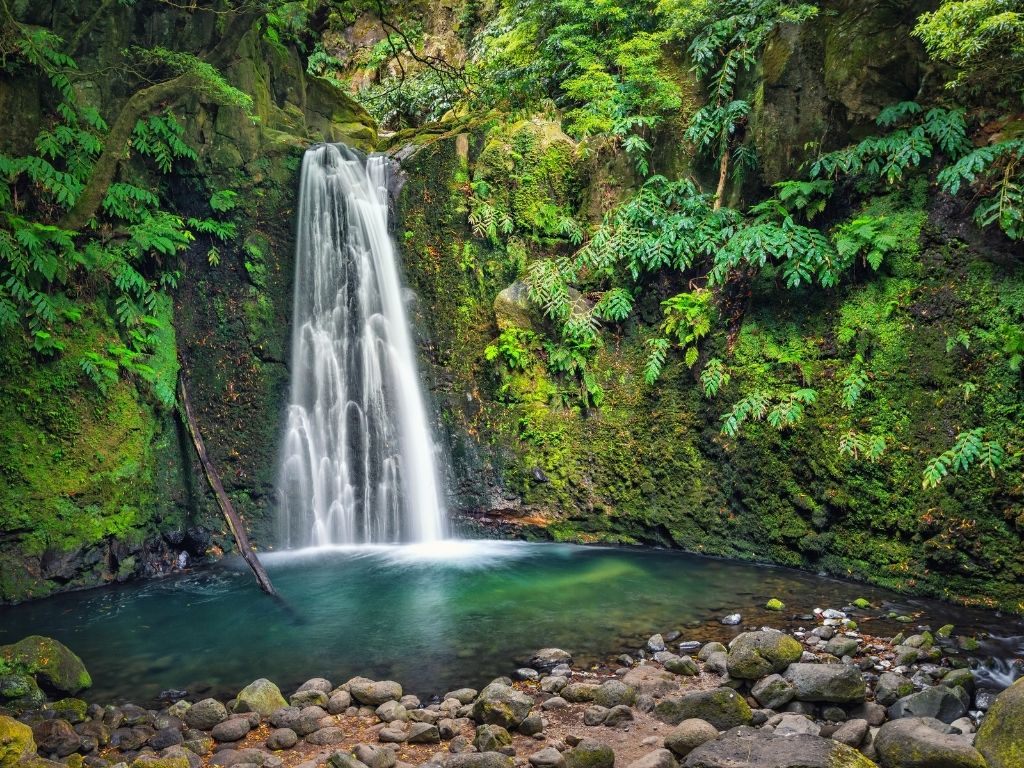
[{"x": 824, "y": 696}]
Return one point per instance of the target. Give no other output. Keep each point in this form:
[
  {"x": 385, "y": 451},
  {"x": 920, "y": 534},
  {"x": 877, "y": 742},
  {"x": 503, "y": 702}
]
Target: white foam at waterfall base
[
  {"x": 358, "y": 462},
  {"x": 453, "y": 553}
]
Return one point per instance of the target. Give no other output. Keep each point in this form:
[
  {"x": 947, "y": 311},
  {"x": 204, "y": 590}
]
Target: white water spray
[{"x": 358, "y": 463}]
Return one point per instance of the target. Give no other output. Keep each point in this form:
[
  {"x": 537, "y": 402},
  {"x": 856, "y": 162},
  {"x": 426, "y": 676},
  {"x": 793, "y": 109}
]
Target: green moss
[
  {"x": 1000, "y": 738},
  {"x": 51, "y": 662},
  {"x": 15, "y": 741}
]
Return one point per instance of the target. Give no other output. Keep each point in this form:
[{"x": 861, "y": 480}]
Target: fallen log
[{"x": 234, "y": 522}]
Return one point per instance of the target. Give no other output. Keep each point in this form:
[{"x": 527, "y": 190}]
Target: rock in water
[
  {"x": 834, "y": 683},
  {"x": 53, "y": 664},
  {"x": 259, "y": 696},
  {"x": 1001, "y": 735},
  {"x": 753, "y": 655},
  {"x": 751, "y": 748},
  {"x": 922, "y": 742},
  {"x": 547, "y": 659},
  {"x": 732, "y": 619},
  {"x": 722, "y": 707}
]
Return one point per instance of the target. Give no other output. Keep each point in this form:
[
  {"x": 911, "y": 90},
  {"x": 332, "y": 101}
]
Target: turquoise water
[{"x": 433, "y": 617}]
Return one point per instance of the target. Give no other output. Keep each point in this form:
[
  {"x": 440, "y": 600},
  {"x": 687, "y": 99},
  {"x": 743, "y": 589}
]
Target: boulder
[
  {"x": 479, "y": 760},
  {"x": 1001, "y": 735},
  {"x": 424, "y": 733},
  {"x": 722, "y": 707},
  {"x": 773, "y": 691},
  {"x": 835, "y": 683},
  {"x": 549, "y": 757},
  {"x": 282, "y": 738},
  {"x": 612, "y": 693},
  {"x": 922, "y": 742},
  {"x": 56, "y": 737},
  {"x": 512, "y": 309},
  {"x": 205, "y": 714},
  {"x": 491, "y": 738},
  {"x": 16, "y": 741},
  {"x": 689, "y": 735},
  {"x": 466, "y": 695},
  {"x": 52, "y": 663},
  {"x": 323, "y": 737},
  {"x": 892, "y": 686},
  {"x": 752, "y": 748},
  {"x": 590, "y": 753},
  {"x": 659, "y": 758},
  {"x": 341, "y": 759},
  {"x": 316, "y": 684},
  {"x": 616, "y": 716},
  {"x": 840, "y": 646},
  {"x": 157, "y": 761},
  {"x": 752, "y": 655},
  {"x": 852, "y": 732},
  {"x": 234, "y": 729},
  {"x": 260, "y": 696},
  {"x": 374, "y": 756},
  {"x": 339, "y": 702},
  {"x": 307, "y": 698},
  {"x": 939, "y": 702},
  {"x": 372, "y": 692},
  {"x": 503, "y": 705},
  {"x": 682, "y": 665}
]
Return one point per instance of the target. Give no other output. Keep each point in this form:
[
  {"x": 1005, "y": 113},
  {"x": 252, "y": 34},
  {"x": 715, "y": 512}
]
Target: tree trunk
[
  {"x": 234, "y": 522},
  {"x": 723, "y": 176}
]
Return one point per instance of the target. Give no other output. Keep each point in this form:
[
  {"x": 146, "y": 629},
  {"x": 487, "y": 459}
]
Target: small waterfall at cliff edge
[{"x": 358, "y": 463}]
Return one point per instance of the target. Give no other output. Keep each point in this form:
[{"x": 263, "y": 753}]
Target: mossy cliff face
[
  {"x": 650, "y": 465},
  {"x": 97, "y": 488}
]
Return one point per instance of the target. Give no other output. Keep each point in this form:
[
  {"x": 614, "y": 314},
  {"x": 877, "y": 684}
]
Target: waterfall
[{"x": 358, "y": 462}]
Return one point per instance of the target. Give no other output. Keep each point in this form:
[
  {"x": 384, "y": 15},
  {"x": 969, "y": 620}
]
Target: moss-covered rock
[
  {"x": 260, "y": 696},
  {"x": 722, "y": 707},
  {"x": 1001, "y": 735},
  {"x": 53, "y": 664},
  {"x": 16, "y": 741},
  {"x": 753, "y": 655}
]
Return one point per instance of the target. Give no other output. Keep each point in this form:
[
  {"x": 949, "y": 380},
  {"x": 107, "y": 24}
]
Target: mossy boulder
[
  {"x": 54, "y": 665},
  {"x": 502, "y": 705},
  {"x": 590, "y": 753},
  {"x": 20, "y": 691},
  {"x": 921, "y": 742},
  {"x": 1001, "y": 735},
  {"x": 754, "y": 655},
  {"x": 70, "y": 709},
  {"x": 155, "y": 761},
  {"x": 722, "y": 707},
  {"x": 751, "y": 748},
  {"x": 260, "y": 696},
  {"x": 835, "y": 683},
  {"x": 16, "y": 741},
  {"x": 775, "y": 604}
]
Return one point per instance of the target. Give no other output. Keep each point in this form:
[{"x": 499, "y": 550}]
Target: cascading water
[{"x": 358, "y": 463}]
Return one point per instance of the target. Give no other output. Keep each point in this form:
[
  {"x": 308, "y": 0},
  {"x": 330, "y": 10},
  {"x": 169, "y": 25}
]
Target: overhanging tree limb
[{"x": 234, "y": 522}]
